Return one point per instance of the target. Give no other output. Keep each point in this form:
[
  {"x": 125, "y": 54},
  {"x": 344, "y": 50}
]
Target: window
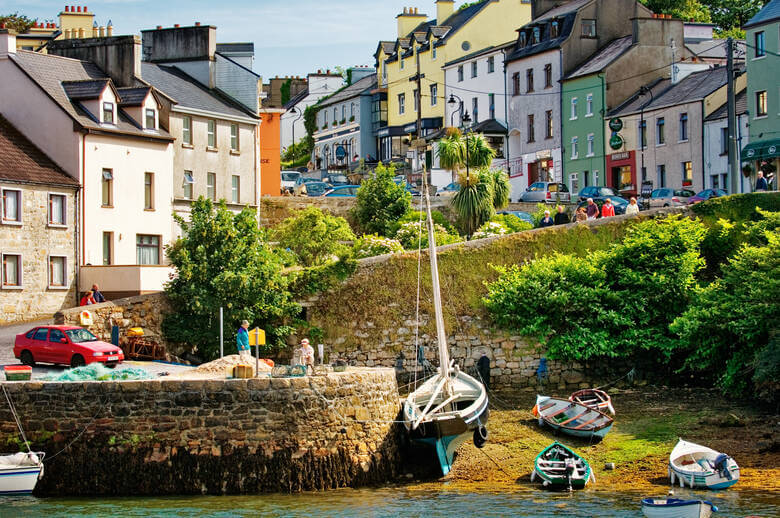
[
  {"x": 57, "y": 273},
  {"x": 522, "y": 40},
  {"x": 573, "y": 108},
  {"x": 235, "y": 189},
  {"x": 492, "y": 105},
  {"x": 491, "y": 62},
  {"x": 416, "y": 100},
  {"x": 108, "y": 113},
  {"x": 12, "y": 270},
  {"x": 516, "y": 83},
  {"x": 234, "y": 137},
  {"x": 588, "y": 28},
  {"x": 589, "y": 105},
  {"x": 536, "y": 35},
  {"x": 529, "y": 80},
  {"x": 401, "y": 104},
  {"x": 433, "y": 55},
  {"x": 147, "y": 249},
  {"x": 475, "y": 109},
  {"x": 149, "y": 191},
  {"x": 343, "y": 112},
  {"x": 660, "y": 134},
  {"x": 188, "y": 182},
  {"x": 687, "y": 172},
  {"x": 548, "y": 125},
  {"x": 760, "y": 44},
  {"x": 460, "y": 73},
  {"x": 761, "y": 109},
  {"x": 683, "y": 126},
  {"x": 55, "y": 335},
  {"x": 574, "y": 150},
  {"x": 591, "y": 144},
  {"x": 714, "y": 181},
  {"x": 57, "y": 210},
  {"x": 642, "y": 134},
  {"x": 352, "y": 110},
  {"x": 335, "y": 116},
  {"x": 212, "y": 133},
  {"x": 108, "y": 245},
  {"x": 40, "y": 334},
  {"x": 724, "y": 141},
  {"x": 325, "y": 116},
  {"x": 107, "y": 188},
  {"x": 661, "y": 176},
  {"x": 554, "y": 30},
  {"x": 211, "y": 186},
  {"x": 434, "y": 94},
  {"x": 186, "y": 130},
  {"x": 531, "y": 129},
  {"x": 150, "y": 119},
  {"x": 548, "y": 75},
  {"x": 473, "y": 69},
  {"x": 12, "y": 206},
  {"x": 401, "y": 63}
]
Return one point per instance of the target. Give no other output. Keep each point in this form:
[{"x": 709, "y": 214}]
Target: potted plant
[
  {"x": 352, "y": 119},
  {"x": 334, "y": 123},
  {"x": 343, "y": 121}
]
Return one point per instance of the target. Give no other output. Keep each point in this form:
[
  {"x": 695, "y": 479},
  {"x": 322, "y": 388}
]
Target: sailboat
[{"x": 451, "y": 405}]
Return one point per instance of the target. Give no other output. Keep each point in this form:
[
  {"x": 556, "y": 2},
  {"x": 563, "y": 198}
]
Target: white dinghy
[
  {"x": 676, "y": 508},
  {"x": 19, "y": 472},
  {"x": 449, "y": 406},
  {"x": 701, "y": 467}
]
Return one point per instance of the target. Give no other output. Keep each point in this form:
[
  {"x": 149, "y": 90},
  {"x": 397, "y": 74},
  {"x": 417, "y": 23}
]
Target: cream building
[{"x": 73, "y": 22}]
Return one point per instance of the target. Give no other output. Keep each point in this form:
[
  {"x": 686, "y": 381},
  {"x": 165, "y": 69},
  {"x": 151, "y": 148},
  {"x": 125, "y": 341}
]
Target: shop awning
[{"x": 761, "y": 150}]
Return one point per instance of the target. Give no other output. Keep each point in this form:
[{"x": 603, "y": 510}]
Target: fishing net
[{"x": 98, "y": 372}]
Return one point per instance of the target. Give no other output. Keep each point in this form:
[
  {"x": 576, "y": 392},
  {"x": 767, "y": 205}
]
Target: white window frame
[
  {"x": 658, "y": 134},
  {"x": 17, "y": 222},
  {"x": 573, "y": 114},
  {"x": 401, "y": 103},
  {"x": 766, "y": 102},
  {"x": 591, "y": 145},
  {"x": 105, "y": 107},
  {"x": 64, "y": 285},
  {"x": 434, "y": 94},
  {"x": 235, "y": 190},
  {"x": 19, "y": 266},
  {"x": 460, "y": 73},
  {"x": 235, "y": 140},
  {"x": 491, "y": 64},
  {"x": 188, "y": 179},
  {"x": 474, "y": 69},
  {"x": 589, "y": 105},
  {"x": 433, "y": 54},
  {"x": 146, "y": 118},
  {"x": 575, "y": 153},
  {"x": 209, "y": 176},
  {"x": 211, "y": 134},
  {"x": 50, "y": 222},
  {"x": 186, "y": 130}
]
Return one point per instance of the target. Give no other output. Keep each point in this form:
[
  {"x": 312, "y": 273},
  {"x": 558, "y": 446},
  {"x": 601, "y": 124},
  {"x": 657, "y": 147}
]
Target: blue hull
[{"x": 445, "y": 448}]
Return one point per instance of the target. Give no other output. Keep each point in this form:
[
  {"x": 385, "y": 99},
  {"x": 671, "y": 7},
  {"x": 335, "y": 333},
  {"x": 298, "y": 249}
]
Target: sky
[{"x": 291, "y": 37}]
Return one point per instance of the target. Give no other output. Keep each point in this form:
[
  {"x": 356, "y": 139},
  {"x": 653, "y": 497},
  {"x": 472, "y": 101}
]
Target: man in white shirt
[{"x": 304, "y": 355}]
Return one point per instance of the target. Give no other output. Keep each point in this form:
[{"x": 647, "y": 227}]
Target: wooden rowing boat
[
  {"x": 701, "y": 467},
  {"x": 559, "y": 466},
  {"x": 594, "y": 398},
  {"x": 571, "y": 417}
]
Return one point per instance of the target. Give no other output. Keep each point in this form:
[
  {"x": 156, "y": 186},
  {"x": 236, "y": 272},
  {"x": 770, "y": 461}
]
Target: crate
[{"x": 18, "y": 372}]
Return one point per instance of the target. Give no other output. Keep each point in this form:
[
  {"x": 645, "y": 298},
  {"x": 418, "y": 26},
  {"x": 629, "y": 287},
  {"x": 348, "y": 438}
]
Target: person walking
[
  {"x": 761, "y": 183},
  {"x": 561, "y": 218},
  {"x": 592, "y": 210},
  {"x": 608, "y": 209},
  {"x": 242, "y": 340},
  {"x": 547, "y": 221},
  {"x": 632, "y": 209},
  {"x": 97, "y": 295}
]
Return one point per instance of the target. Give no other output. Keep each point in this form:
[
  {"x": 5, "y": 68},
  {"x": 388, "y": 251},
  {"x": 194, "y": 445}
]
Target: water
[{"x": 387, "y": 502}]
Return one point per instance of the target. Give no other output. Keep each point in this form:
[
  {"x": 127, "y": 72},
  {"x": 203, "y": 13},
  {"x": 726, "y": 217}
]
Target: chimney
[
  {"x": 119, "y": 57},
  {"x": 444, "y": 9},
  {"x": 110, "y": 30},
  {"x": 408, "y": 20},
  {"x": 7, "y": 42},
  {"x": 179, "y": 43}
]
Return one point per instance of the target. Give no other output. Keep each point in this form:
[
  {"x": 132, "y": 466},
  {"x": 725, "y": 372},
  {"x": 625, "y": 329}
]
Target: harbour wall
[{"x": 210, "y": 436}]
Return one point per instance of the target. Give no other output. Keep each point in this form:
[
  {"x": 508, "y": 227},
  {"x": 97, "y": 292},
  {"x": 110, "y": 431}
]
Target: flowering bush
[
  {"x": 410, "y": 238},
  {"x": 372, "y": 244},
  {"x": 491, "y": 228}
]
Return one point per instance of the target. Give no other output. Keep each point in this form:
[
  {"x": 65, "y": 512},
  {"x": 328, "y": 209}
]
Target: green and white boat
[{"x": 559, "y": 467}]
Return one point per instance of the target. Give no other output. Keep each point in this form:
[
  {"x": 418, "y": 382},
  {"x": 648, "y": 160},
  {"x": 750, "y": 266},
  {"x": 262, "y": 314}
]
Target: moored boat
[
  {"x": 697, "y": 466},
  {"x": 594, "y": 398},
  {"x": 560, "y": 467},
  {"x": 571, "y": 417},
  {"x": 20, "y": 472},
  {"x": 676, "y": 508}
]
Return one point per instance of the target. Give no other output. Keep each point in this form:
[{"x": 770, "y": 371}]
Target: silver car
[
  {"x": 546, "y": 192},
  {"x": 666, "y": 197}
]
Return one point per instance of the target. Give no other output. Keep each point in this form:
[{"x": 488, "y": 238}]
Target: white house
[
  {"x": 319, "y": 85},
  {"x": 716, "y": 154}
]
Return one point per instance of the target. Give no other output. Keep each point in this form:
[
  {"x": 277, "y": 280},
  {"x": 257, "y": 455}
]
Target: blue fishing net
[{"x": 99, "y": 372}]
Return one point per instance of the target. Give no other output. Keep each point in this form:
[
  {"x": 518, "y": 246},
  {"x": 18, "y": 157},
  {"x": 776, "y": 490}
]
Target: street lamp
[
  {"x": 452, "y": 102},
  {"x": 295, "y": 109}
]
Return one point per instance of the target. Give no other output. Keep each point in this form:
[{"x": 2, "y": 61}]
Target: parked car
[
  {"x": 596, "y": 191},
  {"x": 619, "y": 203},
  {"x": 666, "y": 197},
  {"x": 520, "y": 214},
  {"x": 316, "y": 188},
  {"x": 342, "y": 190},
  {"x": 706, "y": 194},
  {"x": 288, "y": 180},
  {"x": 67, "y": 345},
  {"x": 301, "y": 184},
  {"x": 336, "y": 180},
  {"x": 450, "y": 190},
  {"x": 547, "y": 192}
]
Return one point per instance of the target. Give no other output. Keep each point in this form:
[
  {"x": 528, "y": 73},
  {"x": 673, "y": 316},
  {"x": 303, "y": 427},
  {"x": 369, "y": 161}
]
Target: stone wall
[
  {"x": 35, "y": 240},
  {"x": 210, "y": 436}
]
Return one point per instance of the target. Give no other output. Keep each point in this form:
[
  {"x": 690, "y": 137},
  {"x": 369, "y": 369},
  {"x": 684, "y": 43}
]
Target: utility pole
[
  {"x": 418, "y": 144},
  {"x": 732, "y": 120}
]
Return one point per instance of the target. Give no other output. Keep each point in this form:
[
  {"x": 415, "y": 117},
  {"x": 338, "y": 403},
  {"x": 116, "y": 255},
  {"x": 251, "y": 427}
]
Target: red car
[{"x": 69, "y": 345}]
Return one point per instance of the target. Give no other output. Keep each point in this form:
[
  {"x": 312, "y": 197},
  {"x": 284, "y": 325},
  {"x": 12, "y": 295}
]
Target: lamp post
[
  {"x": 452, "y": 102},
  {"x": 295, "y": 109}
]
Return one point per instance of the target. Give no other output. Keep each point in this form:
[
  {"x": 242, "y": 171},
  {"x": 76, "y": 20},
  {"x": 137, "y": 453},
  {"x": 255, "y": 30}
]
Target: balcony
[{"x": 118, "y": 281}]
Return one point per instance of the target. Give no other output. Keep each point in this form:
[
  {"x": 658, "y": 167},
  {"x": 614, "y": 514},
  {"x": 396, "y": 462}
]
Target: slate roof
[
  {"x": 187, "y": 92},
  {"x": 769, "y": 13},
  {"x": 22, "y": 161},
  {"x": 490, "y": 126},
  {"x": 50, "y": 72},
  {"x": 486, "y": 50},
  {"x": 567, "y": 13},
  {"x": 603, "y": 57},
  {"x": 721, "y": 113},
  {"x": 133, "y": 96},
  {"x": 84, "y": 90},
  {"x": 694, "y": 87},
  {"x": 236, "y": 47},
  {"x": 351, "y": 91},
  {"x": 458, "y": 19},
  {"x": 713, "y": 49}
]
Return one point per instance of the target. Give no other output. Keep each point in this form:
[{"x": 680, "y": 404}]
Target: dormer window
[
  {"x": 588, "y": 28},
  {"x": 536, "y": 37},
  {"x": 554, "y": 30},
  {"x": 522, "y": 41},
  {"x": 151, "y": 117},
  {"x": 108, "y": 113}
]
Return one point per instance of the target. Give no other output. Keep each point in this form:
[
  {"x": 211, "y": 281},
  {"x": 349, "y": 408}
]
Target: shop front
[
  {"x": 621, "y": 173},
  {"x": 763, "y": 156}
]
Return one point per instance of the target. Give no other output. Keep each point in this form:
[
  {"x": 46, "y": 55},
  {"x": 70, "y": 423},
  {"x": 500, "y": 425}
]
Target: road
[{"x": 8, "y": 334}]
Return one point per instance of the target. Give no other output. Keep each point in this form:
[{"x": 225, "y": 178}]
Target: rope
[
  {"x": 495, "y": 462},
  {"x": 80, "y": 433},
  {"x": 417, "y": 307},
  {"x": 16, "y": 418},
  {"x": 629, "y": 374}
]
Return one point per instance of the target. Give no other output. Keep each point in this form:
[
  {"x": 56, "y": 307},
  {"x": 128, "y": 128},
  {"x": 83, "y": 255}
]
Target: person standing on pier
[
  {"x": 304, "y": 355},
  {"x": 242, "y": 340}
]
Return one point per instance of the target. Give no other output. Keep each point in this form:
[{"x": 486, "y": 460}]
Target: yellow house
[
  {"x": 75, "y": 21},
  {"x": 451, "y": 35}
]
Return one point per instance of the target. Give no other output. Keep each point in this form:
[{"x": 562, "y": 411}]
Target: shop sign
[
  {"x": 616, "y": 124},
  {"x": 616, "y": 141},
  {"x": 619, "y": 156}
]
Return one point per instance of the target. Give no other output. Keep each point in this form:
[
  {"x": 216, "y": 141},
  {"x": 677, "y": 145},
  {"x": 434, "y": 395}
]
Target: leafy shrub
[
  {"x": 415, "y": 215},
  {"x": 313, "y": 236},
  {"x": 317, "y": 279},
  {"x": 511, "y": 222},
  {"x": 372, "y": 244},
  {"x": 501, "y": 188},
  {"x": 415, "y": 233},
  {"x": 381, "y": 202},
  {"x": 491, "y": 228},
  {"x": 737, "y": 207}
]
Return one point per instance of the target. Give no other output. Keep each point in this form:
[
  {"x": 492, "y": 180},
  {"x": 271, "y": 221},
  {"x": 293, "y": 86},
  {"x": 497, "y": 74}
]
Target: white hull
[
  {"x": 571, "y": 417},
  {"x": 694, "y": 466},
  {"x": 19, "y": 473},
  {"x": 690, "y": 510}
]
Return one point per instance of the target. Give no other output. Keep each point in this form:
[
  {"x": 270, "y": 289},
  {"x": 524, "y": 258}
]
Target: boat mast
[{"x": 444, "y": 353}]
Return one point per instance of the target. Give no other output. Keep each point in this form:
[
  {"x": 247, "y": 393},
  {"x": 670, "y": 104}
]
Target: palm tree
[
  {"x": 452, "y": 151},
  {"x": 480, "y": 154},
  {"x": 501, "y": 188},
  {"x": 474, "y": 201}
]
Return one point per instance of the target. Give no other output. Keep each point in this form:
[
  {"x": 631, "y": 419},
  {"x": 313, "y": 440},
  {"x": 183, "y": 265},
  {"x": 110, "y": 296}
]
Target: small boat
[
  {"x": 558, "y": 466},
  {"x": 594, "y": 398},
  {"x": 19, "y": 472},
  {"x": 701, "y": 467},
  {"x": 571, "y": 417},
  {"x": 676, "y": 508}
]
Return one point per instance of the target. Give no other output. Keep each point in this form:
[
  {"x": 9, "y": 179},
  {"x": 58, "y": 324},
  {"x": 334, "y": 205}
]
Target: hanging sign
[
  {"x": 616, "y": 124},
  {"x": 615, "y": 141}
]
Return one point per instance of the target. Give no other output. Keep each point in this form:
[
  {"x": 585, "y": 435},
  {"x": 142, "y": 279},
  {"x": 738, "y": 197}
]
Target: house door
[
  {"x": 533, "y": 172},
  {"x": 615, "y": 178}
]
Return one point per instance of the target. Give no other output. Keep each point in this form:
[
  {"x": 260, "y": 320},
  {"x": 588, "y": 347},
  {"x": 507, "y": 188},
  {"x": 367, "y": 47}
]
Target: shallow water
[{"x": 395, "y": 501}]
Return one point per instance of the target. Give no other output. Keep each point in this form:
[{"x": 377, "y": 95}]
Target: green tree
[
  {"x": 381, "y": 202},
  {"x": 222, "y": 260},
  {"x": 501, "y": 188},
  {"x": 473, "y": 203},
  {"x": 314, "y": 236},
  {"x": 680, "y": 9},
  {"x": 17, "y": 22},
  {"x": 731, "y": 15}
]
